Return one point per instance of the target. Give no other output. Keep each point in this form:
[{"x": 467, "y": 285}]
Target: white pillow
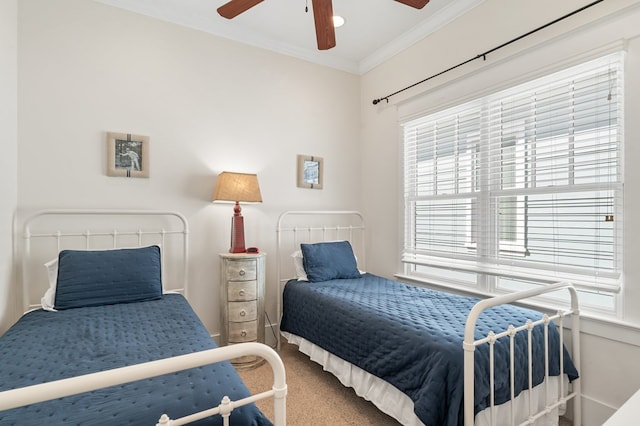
[
  {"x": 49, "y": 298},
  {"x": 297, "y": 262}
]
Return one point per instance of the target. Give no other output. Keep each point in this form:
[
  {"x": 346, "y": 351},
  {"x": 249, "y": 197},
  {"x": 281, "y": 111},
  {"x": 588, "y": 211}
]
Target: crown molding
[{"x": 441, "y": 18}]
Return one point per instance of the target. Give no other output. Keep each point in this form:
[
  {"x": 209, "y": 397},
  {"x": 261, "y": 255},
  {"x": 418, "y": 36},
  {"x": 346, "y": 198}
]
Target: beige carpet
[{"x": 315, "y": 397}]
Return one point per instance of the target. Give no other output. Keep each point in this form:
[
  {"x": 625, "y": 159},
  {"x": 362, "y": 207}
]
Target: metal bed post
[{"x": 575, "y": 349}]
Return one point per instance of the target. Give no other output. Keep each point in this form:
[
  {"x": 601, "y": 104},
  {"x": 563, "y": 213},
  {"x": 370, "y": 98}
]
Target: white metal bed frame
[
  {"x": 290, "y": 233},
  {"x": 90, "y": 226}
]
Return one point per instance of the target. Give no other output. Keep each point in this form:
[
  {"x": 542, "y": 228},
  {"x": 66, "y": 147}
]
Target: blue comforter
[
  {"x": 44, "y": 346},
  {"x": 412, "y": 338}
]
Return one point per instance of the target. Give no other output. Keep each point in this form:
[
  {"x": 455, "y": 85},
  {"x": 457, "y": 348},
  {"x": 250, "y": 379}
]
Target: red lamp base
[{"x": 237, "y": 231}]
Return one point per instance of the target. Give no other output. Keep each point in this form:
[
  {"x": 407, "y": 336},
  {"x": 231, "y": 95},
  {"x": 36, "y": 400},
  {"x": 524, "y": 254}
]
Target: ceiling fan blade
[
  {"x": 236, "y": 7},
  {"x": 418, "y": 4},
  {"x": 323, "y": 16}
]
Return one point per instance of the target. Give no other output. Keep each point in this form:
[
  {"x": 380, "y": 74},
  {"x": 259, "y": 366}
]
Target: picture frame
[
  {"x": 127, "y": 155},
  {"x": 310, "y": 172}
]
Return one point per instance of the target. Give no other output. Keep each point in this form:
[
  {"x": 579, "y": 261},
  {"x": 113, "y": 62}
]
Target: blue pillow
[
  {"x": 106, "y": 277},
  {"x": 329, "y": 261}
]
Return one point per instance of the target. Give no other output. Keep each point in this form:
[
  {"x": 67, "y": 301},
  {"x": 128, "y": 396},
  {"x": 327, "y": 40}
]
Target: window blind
[{"x": 525, "y": 183}]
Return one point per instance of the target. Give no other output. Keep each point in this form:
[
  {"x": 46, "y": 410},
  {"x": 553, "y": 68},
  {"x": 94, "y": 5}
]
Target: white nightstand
[{"x": 242, "y": 281}]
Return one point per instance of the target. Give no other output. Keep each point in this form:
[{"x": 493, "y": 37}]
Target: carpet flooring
[{"x": 315, "y": 397}]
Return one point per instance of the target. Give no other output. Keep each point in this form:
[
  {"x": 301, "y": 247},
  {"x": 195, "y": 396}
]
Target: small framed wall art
[
  {"x": 310, "y": 172},
  {"x": 127, "y": 155}
]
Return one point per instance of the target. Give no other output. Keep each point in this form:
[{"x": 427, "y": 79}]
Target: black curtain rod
[{"x": 484, "y": 55}]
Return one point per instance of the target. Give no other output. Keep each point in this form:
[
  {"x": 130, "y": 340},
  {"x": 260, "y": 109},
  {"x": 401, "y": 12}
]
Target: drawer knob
[
  {"x": 242, "y": 272},
  {"x": 243, "y": 313},
  {"x": 244, "y": 333},
  {"x": 242, "y": 292}
]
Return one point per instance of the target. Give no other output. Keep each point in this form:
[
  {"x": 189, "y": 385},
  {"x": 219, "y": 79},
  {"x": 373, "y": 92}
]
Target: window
[{"x": 521, "y": 188}]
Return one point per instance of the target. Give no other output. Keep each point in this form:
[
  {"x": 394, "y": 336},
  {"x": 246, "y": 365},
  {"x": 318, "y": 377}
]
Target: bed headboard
[
  {"x": 312, "y": 226},
  {"x": 47, "y": 232}
]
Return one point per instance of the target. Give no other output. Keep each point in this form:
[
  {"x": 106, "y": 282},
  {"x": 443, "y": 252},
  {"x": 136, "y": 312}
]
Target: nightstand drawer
[
  {"x": 243, "y": 331},
  {"x": 242, "y": 270},
  {"x": 243, "y": 311},
  {"x": 242, "y": 290}
]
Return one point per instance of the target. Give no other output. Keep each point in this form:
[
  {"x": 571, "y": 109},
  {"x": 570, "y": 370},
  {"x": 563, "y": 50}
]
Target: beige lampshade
[{"x": 232, "y": 186}]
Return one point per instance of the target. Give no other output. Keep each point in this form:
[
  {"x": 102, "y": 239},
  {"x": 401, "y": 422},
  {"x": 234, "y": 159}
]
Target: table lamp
[{"x": 237, "y": 187}]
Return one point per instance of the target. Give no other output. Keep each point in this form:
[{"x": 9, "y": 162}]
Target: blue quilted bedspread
[
  {"x": 412, "y": 338},
  {"x": 44, "y": 346}
]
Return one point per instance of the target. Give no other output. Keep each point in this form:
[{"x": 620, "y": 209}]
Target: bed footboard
[
  {"x": 470, "y": 344},
  {"x": 60, "y": 388}
]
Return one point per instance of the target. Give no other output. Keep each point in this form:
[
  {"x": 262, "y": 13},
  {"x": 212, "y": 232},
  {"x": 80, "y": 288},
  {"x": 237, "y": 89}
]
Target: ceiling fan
[{"x": 322, "y": 15}]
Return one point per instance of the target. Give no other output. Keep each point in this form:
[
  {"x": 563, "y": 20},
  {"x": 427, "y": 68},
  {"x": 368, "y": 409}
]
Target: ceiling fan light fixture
[{"x": 338, "y": 21}]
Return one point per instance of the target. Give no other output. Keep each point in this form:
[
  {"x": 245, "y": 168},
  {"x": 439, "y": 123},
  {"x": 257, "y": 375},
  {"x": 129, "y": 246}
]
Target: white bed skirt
[{"x": 390, "y": 400}]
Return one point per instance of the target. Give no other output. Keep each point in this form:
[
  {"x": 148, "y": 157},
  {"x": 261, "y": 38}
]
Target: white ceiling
[{"x": 374, "y": 30}]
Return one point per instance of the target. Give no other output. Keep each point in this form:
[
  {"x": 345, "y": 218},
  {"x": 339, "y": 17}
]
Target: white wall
[
  {"x": 609, "y": 364},
  {"x": 9, "y": 156},
  {"x": 207, "y": 104}
]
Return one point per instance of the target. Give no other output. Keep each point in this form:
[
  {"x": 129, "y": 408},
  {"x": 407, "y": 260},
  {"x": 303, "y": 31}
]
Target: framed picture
[
  {"x": 309, "y": 172},
  {"x": 127, "y": 155}
]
